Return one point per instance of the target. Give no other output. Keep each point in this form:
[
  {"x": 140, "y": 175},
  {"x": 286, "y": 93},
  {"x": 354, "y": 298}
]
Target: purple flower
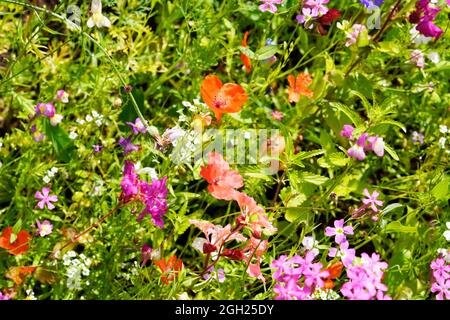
[
  {"x": 269, "y": 5},
  {"x": 339, "y": 231},
  {"x": 137, "y": 126},
  {"x": 62, "y": 96},
  {"x": 372, "y": 200},
  {"x": 146, "y": 251},
  {"x": 45, "y": 198},
  {"x": 97, "y": 148},
  {"x": 441, "y": 271},
  {"x": 130, "y": 181},
  {"x": 46, "y": 109},
  {"x": 37, "y": 136},
  {"x": 45, "y": 228},
  {"x": 347, "y": 255},
  {"x": 357, "y": 150},
  {"x": 4, "y": 297},
  {"x": 127, "y": 145},
  {"x": 154, "y": 197},
  {"x": 370, "y": 3},
  {"x": 424, "y": 16},
  {"x": 418, "y": 137},
  {"x": 347, "y": 131}
]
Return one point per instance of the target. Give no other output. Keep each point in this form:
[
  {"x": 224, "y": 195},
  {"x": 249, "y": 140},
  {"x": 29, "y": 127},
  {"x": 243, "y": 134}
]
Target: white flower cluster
[
  {"x": 133, "y": 271},
  {"x": 96, "y": 117},
  {"x": 77, "y": 266},
  {"x": 326, "y": 294},
  {"x": 442, "y": 140},
  {"x": 50, "y": 174},
  {"x": 184, "y": 143},
  {"x": 196, "y": 107},
  {"x": 98, "y": 188}
]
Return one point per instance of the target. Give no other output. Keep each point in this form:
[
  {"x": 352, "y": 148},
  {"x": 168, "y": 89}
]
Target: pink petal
[
  {"x": 348, "y": 230},
  {"x": 339, "y": 223},
  {"x": 50, "y": 206},
  {"x": 330, "y": 231}
]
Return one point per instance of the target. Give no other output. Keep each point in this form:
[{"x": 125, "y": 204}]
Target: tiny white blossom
[
  {"x": 89, "y": 118},
  {"x": 434, "y": 57},
  {"x": 443, "y": 129},
  {"x": 97, "y": 18},
  {"x": 442, "y": 142},
  {"x": 73, "y": 135}
]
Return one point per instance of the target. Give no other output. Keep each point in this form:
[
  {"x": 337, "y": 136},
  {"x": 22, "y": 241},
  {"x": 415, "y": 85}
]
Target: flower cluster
[
  {"x": 369, "y": 206},
  {"x": 356, "y": 33},
  {"x": 316, "y": 13},
  {"x": 424, "y": 16},
  {"x": 298, "y": 277},
  {"x": 223, "y": 184},
  {"x": 77, "y": 267},
  {"x": 363, "y": 144},
  {"x": 153, "y": 195},
  {"x": 269, "y": 5}
]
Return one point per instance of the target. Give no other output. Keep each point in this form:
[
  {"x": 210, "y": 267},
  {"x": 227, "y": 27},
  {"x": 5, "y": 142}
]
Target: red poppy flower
[
  {"x": 20, "y": 245},
  {"x": 222, "y": 181},
  {"x": 169, "y": 268},
  {"x": 298, "y": 86},
  {"x": 227, "y": 98},
  {"x": 244, "y": 58}
]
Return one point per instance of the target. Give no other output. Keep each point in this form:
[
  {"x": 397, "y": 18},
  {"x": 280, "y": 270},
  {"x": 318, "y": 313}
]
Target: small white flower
[
  {"x": 97, "y": 18},
  {"x": 80, "y": 121},
  {"x": 98, "y": 122},
  {"x": 443, "y": 129},
  {"x": 447, "y": 232},
  {"x": 147, "y": 170},
  {"x": 46, "y": 179},
  {"x": 434, "y": 57},
  {"x": 442, "y": 142},
  {"x": 310, "y": 244},
  {"x": 73, "y": 135},
  {"x": 95, "y": 114},
  {"x": 89, "y": 118},
  {"x": 247, "y": 135}
]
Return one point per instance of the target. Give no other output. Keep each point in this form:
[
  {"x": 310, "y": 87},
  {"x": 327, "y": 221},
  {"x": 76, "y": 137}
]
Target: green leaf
[
  {"x": 336, "y": 159},
  {"x": 396, "y": 226},
  {"x": 391, "y": 152},
  {"x": 393, "y": 122},
  {"x": 63, "y": 145},
  {"x": 353, "y": 116},
  {"x": 313, "y": 178},
  {"x": 440, "y": 191},
  {"x": 391, "y": 207},
  {"x": 305, "y": 155},
  {"x": 297, "y": 215},
  {"x": 249, "y": 53},
  {"x": 266, "y": 52},
  {"x": 364, "y": 100}
]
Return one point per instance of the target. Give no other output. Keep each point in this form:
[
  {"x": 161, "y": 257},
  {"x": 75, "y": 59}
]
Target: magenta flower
[
  {"x": 146, "y": 251},
  {"x": 97, "y": 148},
  {"x": 137, "y": 126},
  {"x": 372, "y": 200},
  {"x": 441, "y": 271},
  {"x": 154, "y": 197},
  {"x": 130, "y": 181},
  {"x": 442, "y": 288},
  {"x": 46, "y": 200},
  {"x": 127, "y": 145},
  {"x": 46, "y": 109},
  {"x": 339, "y": 231},
  {"x": 347, "y": 131},
  {"x": 4, "y": 297},
  {"x": 347, "y": 255},
  {"x": 45, "y": 228},
  {"x": 269, "y": 5}
]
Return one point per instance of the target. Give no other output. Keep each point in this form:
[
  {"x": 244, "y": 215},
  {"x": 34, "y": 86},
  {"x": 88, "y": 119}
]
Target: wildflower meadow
[{"x": 224, "y": 150}]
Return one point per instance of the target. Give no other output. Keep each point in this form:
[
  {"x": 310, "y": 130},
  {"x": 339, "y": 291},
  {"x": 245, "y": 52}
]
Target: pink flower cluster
[
  {"x": 269, "y": 5},
  {"x": 297, "y": 277},
  {"x": 363, "y": 144},
  {"x": 365, "y": 279},
  {"x": 441, "y": 278},
  {"x": 153, "y": 196},
  {"x": 424, "y": 16}
]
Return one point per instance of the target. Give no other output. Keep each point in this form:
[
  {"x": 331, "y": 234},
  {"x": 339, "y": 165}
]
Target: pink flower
[
  {"x": 56, "y": 119},
  {"x": 277, "y": 115},
  {"x": 62, "y": 96},
  {"x": 376, "y": 144},
  {"x": 347, "y": 131},
  {"x": 352, "y": 37},
  {"x": 357, "y": 150},
  {"x": 442, "y": 287},
  {"x": 339, "y": 231},
  {"x": 315, "y": 8},
  {"x": 137, "y": 126},
  {"x": 347, "y": 255},
  {"x": 46, "y": 109},
  {"x": 146, "y": 252},
  {"x": 372, "y": 200},
  {"x": 45, "y": 228},
  {"x": 269, "y": 5},
  {"x": 441, "y": 271},
  {"x": 45, "y": 198},
  {"x": 417, "y": 58}
]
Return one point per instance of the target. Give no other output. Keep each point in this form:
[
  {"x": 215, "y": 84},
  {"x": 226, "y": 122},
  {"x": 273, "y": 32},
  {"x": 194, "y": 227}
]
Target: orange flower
[
  {"x": 334, "y": 271},
  {"x": 245, "y": 59},
  {"x": 20, "y": 245},
  {"x": 227, "y": 98},
  {"x": 18, "y": 274},
  {"x": 222, "y": 181},
  {"x": 173, "y": 265},
  {"x": 298, "y": 86}
]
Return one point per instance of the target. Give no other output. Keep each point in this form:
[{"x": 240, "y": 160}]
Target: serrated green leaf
[
  {"x": 313, "y": 178},
  {"x": 353, "y": 116}
]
